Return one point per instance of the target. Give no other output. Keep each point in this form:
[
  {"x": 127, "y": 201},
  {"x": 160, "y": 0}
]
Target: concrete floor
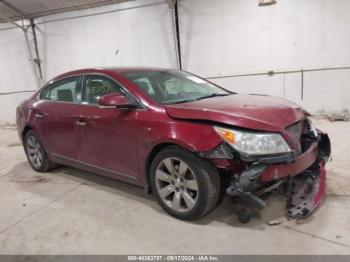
[{"x": 68, "y": 211}]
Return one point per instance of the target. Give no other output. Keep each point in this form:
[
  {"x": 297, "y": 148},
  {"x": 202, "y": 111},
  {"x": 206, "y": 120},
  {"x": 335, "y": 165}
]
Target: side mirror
[{"x": 114, "y": 100}]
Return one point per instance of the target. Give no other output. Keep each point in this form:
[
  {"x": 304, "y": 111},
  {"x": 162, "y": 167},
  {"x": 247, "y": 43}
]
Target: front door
[{"x": 108, "y": 136}]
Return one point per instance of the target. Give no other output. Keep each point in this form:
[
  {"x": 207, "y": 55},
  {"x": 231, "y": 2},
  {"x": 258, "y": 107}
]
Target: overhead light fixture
[{"x": 266, "y": 2}]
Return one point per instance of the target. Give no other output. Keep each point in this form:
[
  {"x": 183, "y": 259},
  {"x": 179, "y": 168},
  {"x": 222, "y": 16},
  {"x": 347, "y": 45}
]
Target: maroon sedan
[{"x": 178, "y": 135}]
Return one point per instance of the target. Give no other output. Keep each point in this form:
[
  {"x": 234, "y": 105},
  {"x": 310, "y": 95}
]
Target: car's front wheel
[
  {"x": 185, "y": 185},
  {"x": 36, "y": 153}
]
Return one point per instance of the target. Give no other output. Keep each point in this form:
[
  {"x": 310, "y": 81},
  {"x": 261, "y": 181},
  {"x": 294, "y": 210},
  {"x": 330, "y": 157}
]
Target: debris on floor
[
  {"x": 277, "y": 221},
  {"x": 338, "y": 117}
]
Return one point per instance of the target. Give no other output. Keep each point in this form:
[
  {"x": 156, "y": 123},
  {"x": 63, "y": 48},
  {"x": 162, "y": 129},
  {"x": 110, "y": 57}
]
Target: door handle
[
  {"x": 39, "y": 115},
  {"x": 80, "y": 122}
]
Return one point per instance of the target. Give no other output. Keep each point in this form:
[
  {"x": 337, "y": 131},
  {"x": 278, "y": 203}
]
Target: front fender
[{"x": 194, "y": 137}]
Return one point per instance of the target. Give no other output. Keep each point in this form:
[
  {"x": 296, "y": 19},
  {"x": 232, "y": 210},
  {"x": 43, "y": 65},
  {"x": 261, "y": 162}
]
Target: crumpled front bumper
[
  {"x": 306, "y": 187},
  {"x": 306, "y": 190},
  {"x": 304, "y": 179},
  {"x": 301, "y": 163}
]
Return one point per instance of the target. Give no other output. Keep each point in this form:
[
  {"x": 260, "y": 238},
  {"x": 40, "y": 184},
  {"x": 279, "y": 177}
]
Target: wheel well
[
  {"x": 25, "y": 131},
  {"x": 152, "y": 155},
  {"x": 150, "y": 158}
]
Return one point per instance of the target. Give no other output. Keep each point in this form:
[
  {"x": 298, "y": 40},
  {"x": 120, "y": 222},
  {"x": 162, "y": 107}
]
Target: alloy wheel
[
  {"x": 34, "y": 150},
  {"x": 176, "y": 184}
]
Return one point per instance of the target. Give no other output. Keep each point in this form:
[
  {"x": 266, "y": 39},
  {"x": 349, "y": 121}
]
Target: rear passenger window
[{"x": 63, "y": 90}]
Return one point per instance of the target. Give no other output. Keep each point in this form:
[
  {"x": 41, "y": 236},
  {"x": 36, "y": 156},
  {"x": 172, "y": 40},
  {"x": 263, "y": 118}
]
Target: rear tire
[
  {"x": 36, "y": 154},
  {"x": 185, "y": 185}
]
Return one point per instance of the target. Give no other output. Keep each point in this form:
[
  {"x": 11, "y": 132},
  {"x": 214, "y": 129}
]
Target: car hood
[{"x": 248, "y": 111}]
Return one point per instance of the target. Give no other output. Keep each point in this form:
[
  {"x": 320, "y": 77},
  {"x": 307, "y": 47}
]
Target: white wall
[
  {"x": 129, "y": 37},
  {"x": 230, "y": 37},
  {"x": 15, "y": 71}
]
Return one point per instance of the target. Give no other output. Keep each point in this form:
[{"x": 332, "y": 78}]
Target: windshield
[{"x": 173, "y": 87}]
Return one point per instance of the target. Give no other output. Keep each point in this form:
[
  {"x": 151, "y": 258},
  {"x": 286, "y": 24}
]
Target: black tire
[
  {"x": 207, "y": 178},
  {"x": 46, "y": 163}
]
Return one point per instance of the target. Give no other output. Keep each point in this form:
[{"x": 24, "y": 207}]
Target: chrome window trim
[{"x": 80, "y": 89}]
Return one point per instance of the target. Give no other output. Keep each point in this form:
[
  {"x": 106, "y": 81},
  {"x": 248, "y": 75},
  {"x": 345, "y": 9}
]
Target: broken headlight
[{"x": 254, "y": 143}]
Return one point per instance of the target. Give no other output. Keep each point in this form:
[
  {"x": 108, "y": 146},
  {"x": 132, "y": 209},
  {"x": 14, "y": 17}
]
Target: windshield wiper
[
  {"x": 195, "y": 99},
  {"x": 211, "y": 95},
  {"x": 179, "y": 101}
]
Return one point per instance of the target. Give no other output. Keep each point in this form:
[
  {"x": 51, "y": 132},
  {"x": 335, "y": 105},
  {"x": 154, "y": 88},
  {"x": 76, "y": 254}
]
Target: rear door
[
  {"x": 54, "y": 117},
  {"x": 108, "y": 136}
]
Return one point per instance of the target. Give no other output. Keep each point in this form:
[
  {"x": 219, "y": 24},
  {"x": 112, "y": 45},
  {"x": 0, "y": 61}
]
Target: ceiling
[{"x": 24, "y": 9}]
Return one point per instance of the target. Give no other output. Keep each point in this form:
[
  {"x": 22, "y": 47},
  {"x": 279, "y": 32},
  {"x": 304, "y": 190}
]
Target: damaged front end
[
  {"x": 306, "y": 190},
  {"x": 300, "y": 174}
]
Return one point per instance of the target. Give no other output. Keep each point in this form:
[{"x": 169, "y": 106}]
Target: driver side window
[{"x": 96, "y": 86}]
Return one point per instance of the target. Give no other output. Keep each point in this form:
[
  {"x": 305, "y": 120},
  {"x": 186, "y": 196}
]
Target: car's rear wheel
[
  {"x": 186, "y": 186},
  {"x": 36, "y": 153}
]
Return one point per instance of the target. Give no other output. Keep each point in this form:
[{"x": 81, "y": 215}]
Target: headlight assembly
[{"x": 254, "y": 143}]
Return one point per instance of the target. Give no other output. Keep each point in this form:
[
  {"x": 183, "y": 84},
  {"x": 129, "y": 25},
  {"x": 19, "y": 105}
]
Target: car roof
[{"x": 107, "y": 70}]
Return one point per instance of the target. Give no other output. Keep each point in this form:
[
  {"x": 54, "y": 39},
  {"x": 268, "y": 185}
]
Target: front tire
[
  {"x": 36, "y": 154},
  {"x": 186, "y": 186}
]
